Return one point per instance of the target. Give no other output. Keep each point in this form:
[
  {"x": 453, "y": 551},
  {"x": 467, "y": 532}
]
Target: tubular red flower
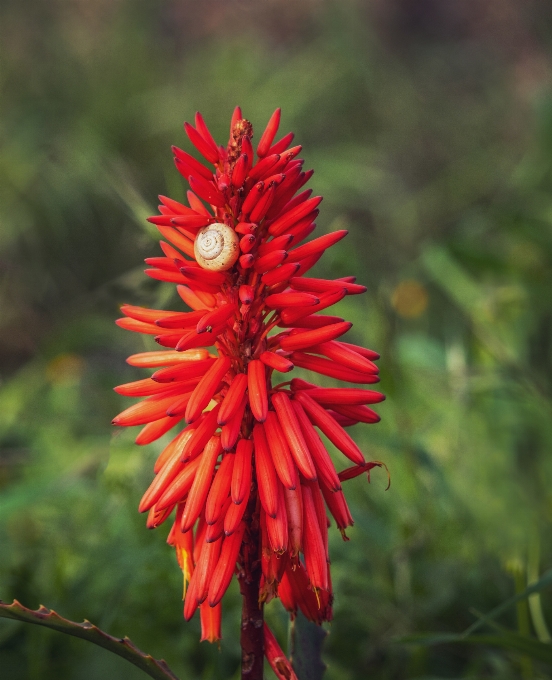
[
  {"x": 281, "y": 455},
  {"x": 293, "y": 434},
  {"x": 202, "y": 482},
  {"x": 269, "y": 494},
  {"x": 268, "y": 135},
  {"x": 258, "y": 396},
  {"x": 220, "y": 488},
  {"x": 241, "y": 475},
  {"x": 267, "y": 481}
]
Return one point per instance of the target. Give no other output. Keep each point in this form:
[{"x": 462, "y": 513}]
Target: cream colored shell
[{"x": 216, "y": 247}]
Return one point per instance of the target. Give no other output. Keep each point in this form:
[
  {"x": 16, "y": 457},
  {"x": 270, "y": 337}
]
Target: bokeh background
[{"x": 429, "y": 125}]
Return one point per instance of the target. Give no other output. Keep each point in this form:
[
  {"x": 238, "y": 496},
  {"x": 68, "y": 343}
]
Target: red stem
[{"x": 252, "y": 636}]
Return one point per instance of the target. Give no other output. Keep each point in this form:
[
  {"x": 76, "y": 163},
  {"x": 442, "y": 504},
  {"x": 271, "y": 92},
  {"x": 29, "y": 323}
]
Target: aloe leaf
[
  {"x": 306, "y": 640},
  {"x": 88, "y": 631}
]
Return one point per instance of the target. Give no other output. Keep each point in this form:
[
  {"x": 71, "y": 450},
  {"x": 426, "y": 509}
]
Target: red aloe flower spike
[{"x": 257, "y": 492}]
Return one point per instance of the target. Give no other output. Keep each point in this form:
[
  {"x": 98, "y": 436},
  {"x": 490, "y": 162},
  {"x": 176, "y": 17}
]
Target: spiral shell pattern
[{"x": 216, "y": 247}]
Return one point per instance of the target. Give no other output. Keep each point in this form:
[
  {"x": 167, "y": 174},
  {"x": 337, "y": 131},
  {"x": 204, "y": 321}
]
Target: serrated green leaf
[{"x": 157, "y": 669}]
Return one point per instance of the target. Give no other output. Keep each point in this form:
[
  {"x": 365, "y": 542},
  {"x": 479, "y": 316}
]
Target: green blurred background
[{"x": 429, "y": 125}]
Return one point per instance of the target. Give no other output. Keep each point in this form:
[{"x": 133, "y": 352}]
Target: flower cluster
[{"x": 249, "y": 476}]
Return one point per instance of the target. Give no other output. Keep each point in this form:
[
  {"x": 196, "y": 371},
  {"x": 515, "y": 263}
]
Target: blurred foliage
[{"x": 430, "y": 128}]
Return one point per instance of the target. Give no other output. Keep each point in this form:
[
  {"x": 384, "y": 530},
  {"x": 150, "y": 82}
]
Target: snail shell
[{"x": 216, "y": 247}]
